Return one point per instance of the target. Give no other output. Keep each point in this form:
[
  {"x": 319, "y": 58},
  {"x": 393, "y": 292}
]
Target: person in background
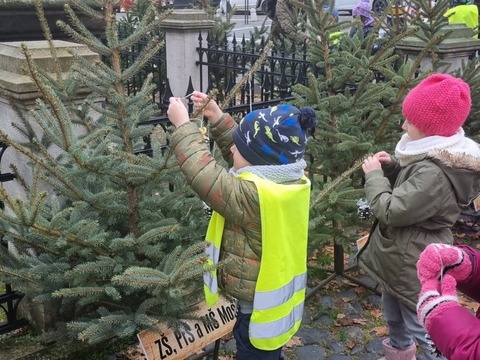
[
  {"x": 416, "y": 197},
  {"x": 285, "y": 23},
  {"x": 258, "y": 230},
  {"x": 463, "y": 12},
  {"x": 362, "y": 10},
  {"x": 454, "y": 330},
  {"x": 288, "y": 22}
]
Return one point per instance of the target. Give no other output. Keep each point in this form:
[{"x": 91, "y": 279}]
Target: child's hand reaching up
[
  {"x": 177, "y": 112},
  {"x": 211, "y": 110}
]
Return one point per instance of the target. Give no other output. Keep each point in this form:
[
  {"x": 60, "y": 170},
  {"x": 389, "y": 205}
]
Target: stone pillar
[
  {"x": 182, "y": 29},
  {"x": 18, "y": 89},
  {"x": 454, "y": 49}
]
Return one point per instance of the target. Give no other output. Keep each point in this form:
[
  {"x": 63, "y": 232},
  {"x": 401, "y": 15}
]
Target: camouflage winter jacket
[{"x": 236, "y": 200}]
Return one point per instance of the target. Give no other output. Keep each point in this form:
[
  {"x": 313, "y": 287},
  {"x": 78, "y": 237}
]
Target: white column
[{"x": 182, "y": 29}]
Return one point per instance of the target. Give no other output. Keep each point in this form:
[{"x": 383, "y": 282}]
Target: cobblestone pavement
[{"x": 342, "y": 321}]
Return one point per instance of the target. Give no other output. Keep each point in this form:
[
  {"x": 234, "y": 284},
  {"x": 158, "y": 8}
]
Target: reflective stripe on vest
[{"x": 214, "y": 236}]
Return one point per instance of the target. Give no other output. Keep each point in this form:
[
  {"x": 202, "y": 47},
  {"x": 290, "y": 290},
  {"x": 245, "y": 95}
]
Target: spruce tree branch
[
  {"x": 47, "y": 121},
  {"x": 82, "y": 5},
  {"x": 79, "y": 291},
  {"x": 11, "y": 273},
  {"x": 78, "y": 25},
  {"x": 48, "y": 35},
  {"x": 100, "y": 69},
  {"x": 36, "y": 204},
  {"x": 69, "y": 238},
  {"x": 41, "y": 162},
  {"x": 146, "y": 26},
  {"x": 34, "y": 244},
  {"x": 335, "y": 183},
  {"x": 261, "y": 60},
  {"x": 93, "y": 43},
  {"x": 56, "y": 105},
  {"x": 156, "y": 233},
  {"x": 152, "y": 48}
]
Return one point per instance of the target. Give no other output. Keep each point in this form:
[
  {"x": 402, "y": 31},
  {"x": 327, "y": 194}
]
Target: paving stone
[
  {"x": 358, "y": 349},
  {"x": 349, "y": 293},
  {"x": 355, "y": 333},
  {"x": 375, "y": 346},
  {"x": 338, "y": 357},
  {"x": 313, "y": 335},
  {"x": 324, "y": 320},
  {"x": 326, "y": 302},
  {"x": 336, "y": 347},
  {"x": 353, "y": 308},
  {"x": 310, "y": 352},
  {"x": 230, "y": 346},
  {"x": 368, "y": 357}
]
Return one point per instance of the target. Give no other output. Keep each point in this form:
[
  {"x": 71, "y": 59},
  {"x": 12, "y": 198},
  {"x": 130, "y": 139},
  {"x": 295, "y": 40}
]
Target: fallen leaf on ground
[
  {"x": 360, "y": 321},
  {"x": 380, "y": 330},
  {"x": 376, "y": 313},
  {"x": 294, "y": 341},
  {"x": 344, "y": 322},
  {"x": 350, "y": 344}
]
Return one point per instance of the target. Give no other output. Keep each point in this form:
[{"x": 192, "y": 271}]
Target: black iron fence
[
  {"x": 9, "y": 299},
  {"x": 227, "y": 62}
]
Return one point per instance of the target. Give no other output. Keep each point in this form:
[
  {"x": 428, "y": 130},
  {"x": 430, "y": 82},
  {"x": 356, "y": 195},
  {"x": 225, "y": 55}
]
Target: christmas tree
[
  {"x": 357, "y": 89},
  {"x": 107, "y": 237}
]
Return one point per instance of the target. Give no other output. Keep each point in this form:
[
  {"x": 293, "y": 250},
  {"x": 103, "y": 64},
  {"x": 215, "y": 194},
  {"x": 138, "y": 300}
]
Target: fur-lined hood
[{"x": 462, "y": 170}]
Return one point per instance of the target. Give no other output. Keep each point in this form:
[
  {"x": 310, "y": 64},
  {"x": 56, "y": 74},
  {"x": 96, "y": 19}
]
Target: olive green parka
[{"x": 415, "y": 205}]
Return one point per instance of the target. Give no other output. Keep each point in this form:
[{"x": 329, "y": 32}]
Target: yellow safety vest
[
  {"x": 280, "y": 289},
  {"x": 463, "y": 14}
]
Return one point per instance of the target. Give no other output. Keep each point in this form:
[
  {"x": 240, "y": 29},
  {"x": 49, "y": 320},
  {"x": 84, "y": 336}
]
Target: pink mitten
[
  {"x": 433, "y": 301},
  {"x": 438, "y": 259}
]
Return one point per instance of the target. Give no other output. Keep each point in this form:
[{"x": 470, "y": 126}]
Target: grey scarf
[{"x": 277, "y": 173}]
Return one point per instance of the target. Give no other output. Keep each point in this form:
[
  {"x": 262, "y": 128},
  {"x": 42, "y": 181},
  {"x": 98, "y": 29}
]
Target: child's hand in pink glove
[
  {"x": 438, "y": 259},
  {"x": 435, "y": 298}
]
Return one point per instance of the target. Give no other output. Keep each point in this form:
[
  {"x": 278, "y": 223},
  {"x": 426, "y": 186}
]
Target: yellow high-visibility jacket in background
[{"x": 463, "y": 14}]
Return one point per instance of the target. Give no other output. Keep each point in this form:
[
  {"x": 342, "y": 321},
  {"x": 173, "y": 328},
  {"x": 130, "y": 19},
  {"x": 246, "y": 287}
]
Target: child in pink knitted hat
[{"x": 416, "y": 196}]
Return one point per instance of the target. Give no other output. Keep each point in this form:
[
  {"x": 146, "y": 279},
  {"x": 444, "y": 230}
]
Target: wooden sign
[{"x": 178, "y": 344}]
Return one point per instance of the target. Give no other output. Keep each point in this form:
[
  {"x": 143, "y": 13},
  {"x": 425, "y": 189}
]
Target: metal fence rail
[
  {"x": 10, "y": 299},
  {"x": 227, "y": 63}
]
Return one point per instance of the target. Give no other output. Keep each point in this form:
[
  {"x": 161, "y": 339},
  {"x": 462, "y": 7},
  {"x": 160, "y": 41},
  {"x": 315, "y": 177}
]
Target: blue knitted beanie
[{"x": 274, "y": 136}]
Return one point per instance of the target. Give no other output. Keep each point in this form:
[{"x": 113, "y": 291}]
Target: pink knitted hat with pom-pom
[{"x": 438, "y": 105}]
